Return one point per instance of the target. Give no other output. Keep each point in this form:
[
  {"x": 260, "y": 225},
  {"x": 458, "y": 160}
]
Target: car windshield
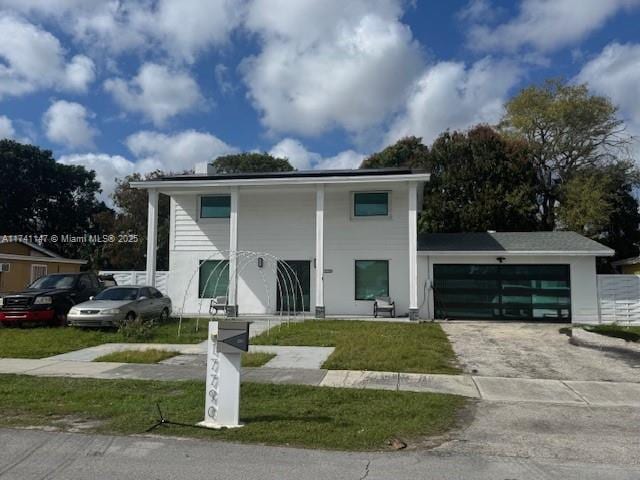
[
  {"x": 54, "y": 281},
  {"x": 118, "y": 294}
]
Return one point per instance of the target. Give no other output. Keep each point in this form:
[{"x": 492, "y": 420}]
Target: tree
[
  {"x": 130, "y": 218},
  {"x": 406, "y": 152},
  {"x": 567, "y": 129},
  {"x": 480, "y": 181},
  {"x": 599, "y": 202},
  {"x": 251, "y": 162},
  {"x": 40, "y": 196}
]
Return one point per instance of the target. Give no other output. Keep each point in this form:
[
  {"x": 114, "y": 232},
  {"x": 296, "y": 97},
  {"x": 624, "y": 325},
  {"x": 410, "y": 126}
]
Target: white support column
[
  {"x": 413, "y": 251},
  {"x": 320, "y": 312},
  {"x": 152, "y": 236},
  {"x": 232, "y": 310}
]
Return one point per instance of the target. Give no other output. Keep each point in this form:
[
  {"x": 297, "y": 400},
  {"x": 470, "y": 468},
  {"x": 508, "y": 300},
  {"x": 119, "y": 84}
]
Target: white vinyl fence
[
  {"x": 619, "y": 297},
  {"x": 138, "y": 278}
]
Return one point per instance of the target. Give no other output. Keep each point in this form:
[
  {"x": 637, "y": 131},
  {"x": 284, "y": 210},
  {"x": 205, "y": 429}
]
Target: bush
[{"x": 137, "y": 329}]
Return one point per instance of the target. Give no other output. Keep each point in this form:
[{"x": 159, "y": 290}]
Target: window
[
  {"x": 214, "y": 278},
  {"x": 155, "y": 293},
  {"x": 84, "y": 283},
  {"x": 372, "y": 279},
  {"x": 215, "y": 206},
  {"x": 371, "y": 204},
  {"x": 38, "y": 271}
]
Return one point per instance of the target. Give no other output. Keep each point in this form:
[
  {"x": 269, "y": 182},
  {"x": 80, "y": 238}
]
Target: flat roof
[
  {"x": 514, "y": 243},
  {"x": 294, "y": 177}
]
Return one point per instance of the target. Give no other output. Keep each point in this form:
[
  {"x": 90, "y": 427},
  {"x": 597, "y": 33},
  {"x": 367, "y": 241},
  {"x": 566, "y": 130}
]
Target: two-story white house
[{"x": 330, "y": 242}]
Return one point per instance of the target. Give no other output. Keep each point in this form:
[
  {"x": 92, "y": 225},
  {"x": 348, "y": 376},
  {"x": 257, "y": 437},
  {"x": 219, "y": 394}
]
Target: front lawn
[
  {"x": 40, "y": 342},
  {"x": 315, "y": 417},
  {"x": 381, "y": 346},
  {"x": 630, "y": 334},
  {"x": 137, "y": 356}
]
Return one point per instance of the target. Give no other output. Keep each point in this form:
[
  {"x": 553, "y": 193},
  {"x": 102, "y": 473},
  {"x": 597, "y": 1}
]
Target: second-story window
[
  {"x": 215, "y": 206},
  {"x": 371, "y": 204}
]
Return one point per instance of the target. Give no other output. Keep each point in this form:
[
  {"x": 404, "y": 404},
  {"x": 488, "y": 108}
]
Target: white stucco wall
[
  {"x": 584, "y": 290},
  {"x": 281, "y": 222}
]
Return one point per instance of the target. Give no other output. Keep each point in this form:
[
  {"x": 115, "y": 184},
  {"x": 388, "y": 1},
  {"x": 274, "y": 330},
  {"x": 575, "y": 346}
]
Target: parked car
[
  {"x": 121, "y": 303},
  {"x": 49, "y": 298}
]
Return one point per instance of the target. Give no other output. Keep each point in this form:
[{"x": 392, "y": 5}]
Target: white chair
[{"x": 218, "y": 303}]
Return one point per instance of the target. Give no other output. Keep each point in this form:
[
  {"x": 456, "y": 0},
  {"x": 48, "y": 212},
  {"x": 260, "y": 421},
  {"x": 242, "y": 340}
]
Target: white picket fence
[
  {"x": 619, "y": 297},
  {"x": 138, "y": 278}
]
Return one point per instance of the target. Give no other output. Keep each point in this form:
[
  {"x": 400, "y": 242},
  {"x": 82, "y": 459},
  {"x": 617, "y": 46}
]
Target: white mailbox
[{"x": 226, "y": 342}]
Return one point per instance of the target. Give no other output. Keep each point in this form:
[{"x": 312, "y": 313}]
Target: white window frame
[
  {"x": 33, "y": 267},
  {"x": 211, "y": 219},
  {"x": 358, "y": 218}
]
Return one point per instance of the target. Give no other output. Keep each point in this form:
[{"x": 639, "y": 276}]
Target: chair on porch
[
  {"x": 382, "y": 305},
  {"x": 218, "y": 303}
]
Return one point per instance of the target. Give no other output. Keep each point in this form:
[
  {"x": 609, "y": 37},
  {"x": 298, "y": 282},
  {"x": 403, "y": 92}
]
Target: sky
[{"x": 133, "y": 86}]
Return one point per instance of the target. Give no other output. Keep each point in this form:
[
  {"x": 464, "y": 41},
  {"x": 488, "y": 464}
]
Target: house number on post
[{"x": 226, "y": 342}]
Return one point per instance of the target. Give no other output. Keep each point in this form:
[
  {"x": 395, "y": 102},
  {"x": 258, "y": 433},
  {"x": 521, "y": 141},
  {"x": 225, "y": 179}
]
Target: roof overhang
[
  {"x": 33, "y": 258},
  {"x": 518, "y": 253},
  {"x": 196, "y": 183}
]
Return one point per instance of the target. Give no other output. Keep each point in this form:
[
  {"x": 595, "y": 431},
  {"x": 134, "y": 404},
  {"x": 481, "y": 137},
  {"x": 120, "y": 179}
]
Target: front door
[{"x": 294, "y": 286}]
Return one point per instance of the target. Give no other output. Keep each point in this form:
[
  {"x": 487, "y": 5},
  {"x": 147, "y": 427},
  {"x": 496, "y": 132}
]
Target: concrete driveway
[{"x": 529, "y": 350}]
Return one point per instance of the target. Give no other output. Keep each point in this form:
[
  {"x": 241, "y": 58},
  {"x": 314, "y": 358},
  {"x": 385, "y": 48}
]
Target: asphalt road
[{"x": 36, "y": 454}]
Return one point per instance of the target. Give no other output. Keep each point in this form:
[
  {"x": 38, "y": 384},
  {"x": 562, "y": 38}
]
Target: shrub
[{"x": 137, "y": 329}]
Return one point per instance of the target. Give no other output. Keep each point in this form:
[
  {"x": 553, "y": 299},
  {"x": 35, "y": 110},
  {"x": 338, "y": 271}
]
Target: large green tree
[
  {"x": 41, "y": 196},
  {"x": 129, "y": 221},
  {"x": 480, "y": 181},
  {"x": 406, "y": 152},
  {"x": 567, "y": 129},
  {"x": 251, "y": 162}
]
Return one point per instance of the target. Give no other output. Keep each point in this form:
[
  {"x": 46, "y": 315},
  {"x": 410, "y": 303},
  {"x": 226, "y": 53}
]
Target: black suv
[{"x": 49, "y": 298}]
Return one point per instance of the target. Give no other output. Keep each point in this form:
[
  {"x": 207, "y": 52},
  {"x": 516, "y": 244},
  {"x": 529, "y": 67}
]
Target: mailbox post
[{"x": 226, "y": 342}]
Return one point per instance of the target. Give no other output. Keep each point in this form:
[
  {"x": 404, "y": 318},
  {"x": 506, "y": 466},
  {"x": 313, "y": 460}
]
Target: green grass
[
  {"x": 43, "y": 342},
  {"x": 630, "y": 334},
  {"x": 345, "y": 419},
  {"x": 137, "y": 356},
  {"x": 256, "y": 359},
  {"x": 380, "y": 346}
]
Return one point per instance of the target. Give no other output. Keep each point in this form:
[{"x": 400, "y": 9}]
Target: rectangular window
[
  {"x": 214, "y": 278},
  {"x": 372, "y": 279},
  {"x": 38, "y": 271},
  {"x": 215, "y": 206},
  {"x": 371, "y": 204}
]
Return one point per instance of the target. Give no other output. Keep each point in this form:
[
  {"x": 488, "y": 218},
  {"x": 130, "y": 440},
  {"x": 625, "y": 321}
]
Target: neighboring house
[
  {"x": 628, "y": 266},
  {"x": 21, "y": 263},
  {"x": 351, "y": 236}
]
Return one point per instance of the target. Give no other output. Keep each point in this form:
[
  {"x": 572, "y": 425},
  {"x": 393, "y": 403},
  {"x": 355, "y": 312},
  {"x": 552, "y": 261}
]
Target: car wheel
[{"x": 164, "y": 316}]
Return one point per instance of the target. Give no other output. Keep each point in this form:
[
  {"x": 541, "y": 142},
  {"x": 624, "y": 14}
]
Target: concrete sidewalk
[{"x": 493, "y": 389}]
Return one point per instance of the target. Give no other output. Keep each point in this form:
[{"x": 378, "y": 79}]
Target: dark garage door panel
[{"x": 502, "y": 292}]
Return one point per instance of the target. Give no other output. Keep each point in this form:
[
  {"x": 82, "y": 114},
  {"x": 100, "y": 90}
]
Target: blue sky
[{"x": 124, "y": 86}]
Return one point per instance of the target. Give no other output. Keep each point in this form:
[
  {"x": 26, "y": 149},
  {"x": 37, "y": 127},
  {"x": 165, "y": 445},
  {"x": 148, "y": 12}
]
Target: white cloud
[
  {"x": 303, "y": 159},
  {"x": 33, "y": 59},
  {"x": 107, "y": 168},
  {"x": 181, "y": 28},
  {"x": 329, "y": 64},
  {"x": 546, "y": 25},
  {"x": 67, "y": 123},
  {"x": 296, "y": 153},
  {"x": 157, "y": 92},
  {"x": 6, "y": 128},
  {"x": 615, "y": 73},
  {"x": 451, "y": 96},
  {"x": 177, "y": 152}
]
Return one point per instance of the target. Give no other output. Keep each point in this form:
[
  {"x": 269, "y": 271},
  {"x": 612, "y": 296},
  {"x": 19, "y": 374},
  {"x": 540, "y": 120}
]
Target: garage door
[{"x": 502, "y": 292}]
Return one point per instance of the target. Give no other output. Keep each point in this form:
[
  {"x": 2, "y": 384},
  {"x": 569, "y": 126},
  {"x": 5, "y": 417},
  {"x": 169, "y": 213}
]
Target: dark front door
[
  {"x": 502, "y": 292},
  {"x": 294, "y": 285}
]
